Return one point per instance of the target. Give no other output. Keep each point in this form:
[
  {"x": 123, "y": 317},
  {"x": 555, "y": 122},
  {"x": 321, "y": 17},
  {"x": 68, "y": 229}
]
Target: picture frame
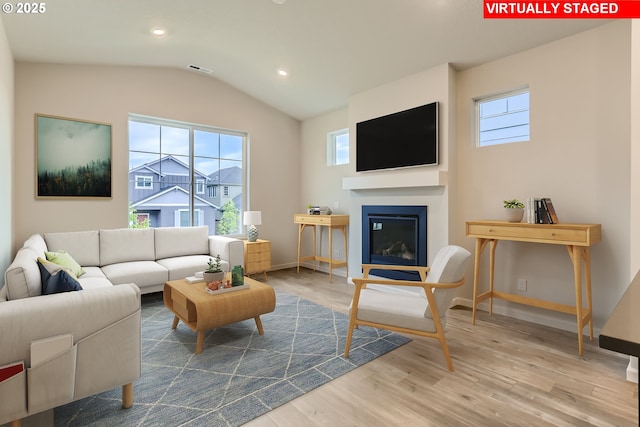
[{"x": 73, "y": 158}]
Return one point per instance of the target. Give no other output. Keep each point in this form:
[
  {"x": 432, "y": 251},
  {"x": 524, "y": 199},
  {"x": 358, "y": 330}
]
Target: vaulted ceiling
[{"x": 331, "y": 49}]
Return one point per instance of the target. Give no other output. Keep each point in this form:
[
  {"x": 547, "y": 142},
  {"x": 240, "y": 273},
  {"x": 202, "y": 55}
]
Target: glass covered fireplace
[{"x": 394, "y": 235}]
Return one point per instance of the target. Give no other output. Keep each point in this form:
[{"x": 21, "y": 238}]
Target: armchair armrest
[{"x": 396, "y": 282}]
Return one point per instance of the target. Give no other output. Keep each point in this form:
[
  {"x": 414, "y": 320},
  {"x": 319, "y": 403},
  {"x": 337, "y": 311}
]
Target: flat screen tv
[{"x": 403, "y": 139}]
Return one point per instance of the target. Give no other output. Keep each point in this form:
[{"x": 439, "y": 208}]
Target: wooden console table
[
  {"x": 576, "y": 237},
  {"x": 339, "y": 222}
]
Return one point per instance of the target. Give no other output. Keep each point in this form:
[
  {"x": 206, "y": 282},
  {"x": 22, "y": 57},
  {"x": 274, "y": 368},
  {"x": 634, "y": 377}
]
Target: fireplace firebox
[{"x": 394, "y": 235}]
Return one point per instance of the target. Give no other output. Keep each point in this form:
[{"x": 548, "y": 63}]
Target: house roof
[
  {"x": 227, "y": 176},
  {"x": 156, "y": 166},
  {"x": 332, "y": 49},
  {"x": 172, "y": 196}
]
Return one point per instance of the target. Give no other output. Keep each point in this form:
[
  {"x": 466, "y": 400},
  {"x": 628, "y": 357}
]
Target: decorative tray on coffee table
[{"x": 223, "y": 290}]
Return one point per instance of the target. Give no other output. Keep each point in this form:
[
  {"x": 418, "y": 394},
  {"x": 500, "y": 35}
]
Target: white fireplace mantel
[{"x": 410, "y": 178}]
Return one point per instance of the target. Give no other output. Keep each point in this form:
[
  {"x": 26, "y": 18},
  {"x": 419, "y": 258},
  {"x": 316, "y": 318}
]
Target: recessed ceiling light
[
  {"x": 158, "y": 31},
  {"x": 282, "y": 72},
  {"x": 279, "y": 1}
]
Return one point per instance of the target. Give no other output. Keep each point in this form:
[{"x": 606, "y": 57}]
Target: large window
[
  {"x": 503, "y": 118},
  {"x": 175, "y": 170}
]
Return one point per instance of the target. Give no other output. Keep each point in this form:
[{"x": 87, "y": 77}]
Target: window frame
[
  {"x": 193, "y": 184},
  {"x": 332, "y": 141},
  {"x": 493, "y": 97}
]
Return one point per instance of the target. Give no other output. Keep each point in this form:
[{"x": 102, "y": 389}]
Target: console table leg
[
  {"x": 330, "y": 254},
  {"x": 346, "y": 254},
  {"x": 300, "y": 228},
  {"x": 492, "y": 264},
  {"x": 587, "y": 282},
  {"x": 576, "y": 259},
  {"x": 480, "y": 244}
]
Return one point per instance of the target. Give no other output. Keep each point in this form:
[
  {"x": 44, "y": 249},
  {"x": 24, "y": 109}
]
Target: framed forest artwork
[{"x": 73, "y": 158}]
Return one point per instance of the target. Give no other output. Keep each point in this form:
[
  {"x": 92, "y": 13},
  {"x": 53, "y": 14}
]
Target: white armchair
[{"x": 423, "y": 314}]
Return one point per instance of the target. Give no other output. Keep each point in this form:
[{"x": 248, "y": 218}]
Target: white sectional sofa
[
  {"x": 147, "y": 257},
  {"x": 103, "y": 318}
]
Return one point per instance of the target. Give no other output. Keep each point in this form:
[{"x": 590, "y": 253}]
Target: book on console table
[{"x": 541, "y": 211}]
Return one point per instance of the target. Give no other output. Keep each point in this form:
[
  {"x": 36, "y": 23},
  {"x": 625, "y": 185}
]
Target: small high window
[
  {"x": 503, "y": 118},
  {"x": 338, "y": 147}
]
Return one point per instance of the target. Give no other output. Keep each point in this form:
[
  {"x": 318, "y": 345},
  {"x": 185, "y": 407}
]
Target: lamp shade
[{"x": 252, "y": 218}]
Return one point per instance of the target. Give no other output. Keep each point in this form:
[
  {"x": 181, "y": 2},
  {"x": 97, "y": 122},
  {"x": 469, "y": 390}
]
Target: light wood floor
[{"x": 507, "y": 373}]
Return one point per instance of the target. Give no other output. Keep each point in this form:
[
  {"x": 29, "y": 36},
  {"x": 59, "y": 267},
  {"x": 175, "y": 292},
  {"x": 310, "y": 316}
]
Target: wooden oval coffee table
[{"x": 201, "y": 311}]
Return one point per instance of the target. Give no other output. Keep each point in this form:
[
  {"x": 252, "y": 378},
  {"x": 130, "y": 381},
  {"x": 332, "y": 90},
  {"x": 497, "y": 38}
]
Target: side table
[
  {"x": 257, "y": 257},
  {"x": 337, "y": 222}
]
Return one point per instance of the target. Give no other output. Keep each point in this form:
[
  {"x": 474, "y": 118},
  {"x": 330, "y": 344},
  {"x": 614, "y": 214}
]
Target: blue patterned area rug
[{"x": 239, "y": 375}]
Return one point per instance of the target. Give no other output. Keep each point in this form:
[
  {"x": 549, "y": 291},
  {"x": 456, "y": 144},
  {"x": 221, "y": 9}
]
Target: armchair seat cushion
[{"x": 404, "y": 311}]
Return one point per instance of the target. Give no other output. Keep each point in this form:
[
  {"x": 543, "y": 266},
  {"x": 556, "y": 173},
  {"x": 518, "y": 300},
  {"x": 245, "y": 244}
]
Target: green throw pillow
[
  {"x": 64, "y": 259},
  {"x": 58, "y": 281}
]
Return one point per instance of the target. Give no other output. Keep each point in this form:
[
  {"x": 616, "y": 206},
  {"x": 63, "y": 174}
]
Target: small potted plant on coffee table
[
  {"x": 214, "y": 270},
  {"x": 514, "y": 210}
]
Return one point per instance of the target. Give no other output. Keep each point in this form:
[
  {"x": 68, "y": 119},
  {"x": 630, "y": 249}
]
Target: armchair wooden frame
[{"x": 361, "y": 283}]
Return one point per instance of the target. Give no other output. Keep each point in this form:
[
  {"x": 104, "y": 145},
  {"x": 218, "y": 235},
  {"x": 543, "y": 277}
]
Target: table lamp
[{"x": 252, "y": 218}]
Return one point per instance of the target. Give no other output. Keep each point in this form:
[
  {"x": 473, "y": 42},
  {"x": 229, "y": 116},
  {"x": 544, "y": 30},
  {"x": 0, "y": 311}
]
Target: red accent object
[
  {"x": 542, "y": 9},
  {"x": 9, "y": 371}
]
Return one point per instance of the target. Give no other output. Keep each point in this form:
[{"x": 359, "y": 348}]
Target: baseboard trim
[
  {"x": 516, "y": 311},
  {"x": 320, "y": 266},
  {"x": 632, "y": 370}
]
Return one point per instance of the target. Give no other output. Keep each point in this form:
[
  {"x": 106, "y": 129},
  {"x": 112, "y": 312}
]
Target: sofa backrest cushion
[
  {"x": 22, "y": 278},
  {"x": 181, "y": 241},
  {"x": 126, "y": 244},
  {"x": 37, "y": 243},
  {"x": 83, "y": 246}
]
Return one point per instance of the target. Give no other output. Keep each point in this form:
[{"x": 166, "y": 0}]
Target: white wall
[
  {"x": 321, "y": 184},
  {"x": 578, "y": 155},
  {"x": 6, "y": 150},
  {"x": 109, "y": 94},
  {"x": 634, "y": 234},
  {"x": 435, "y": 84}
]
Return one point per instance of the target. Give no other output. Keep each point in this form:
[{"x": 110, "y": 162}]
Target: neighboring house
[
  {"x": 159, "y": 191},
  {"x": 225, "y": 185}
]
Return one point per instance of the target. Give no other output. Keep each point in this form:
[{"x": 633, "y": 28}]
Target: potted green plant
[
  {"x": 514, "y": 210},
  {"x": 214, "y": 270}
]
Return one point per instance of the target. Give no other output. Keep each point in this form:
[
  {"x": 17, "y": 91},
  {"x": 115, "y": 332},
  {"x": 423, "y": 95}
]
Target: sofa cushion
[
  {"x": 184, "y": 266},
  {"x": 63, "y": 259},
  {"x": 22, "y": 278},
  {"x": 126, "y": 244},
  {"x": 37, "y": 243},
  {"x": 56, "y": 279},
  {"x": 181, "y": 241},
  {"x": 142, "y": 273},
  {"x": 94, "y": 282},
  {"x": 83, "y": 246}
]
